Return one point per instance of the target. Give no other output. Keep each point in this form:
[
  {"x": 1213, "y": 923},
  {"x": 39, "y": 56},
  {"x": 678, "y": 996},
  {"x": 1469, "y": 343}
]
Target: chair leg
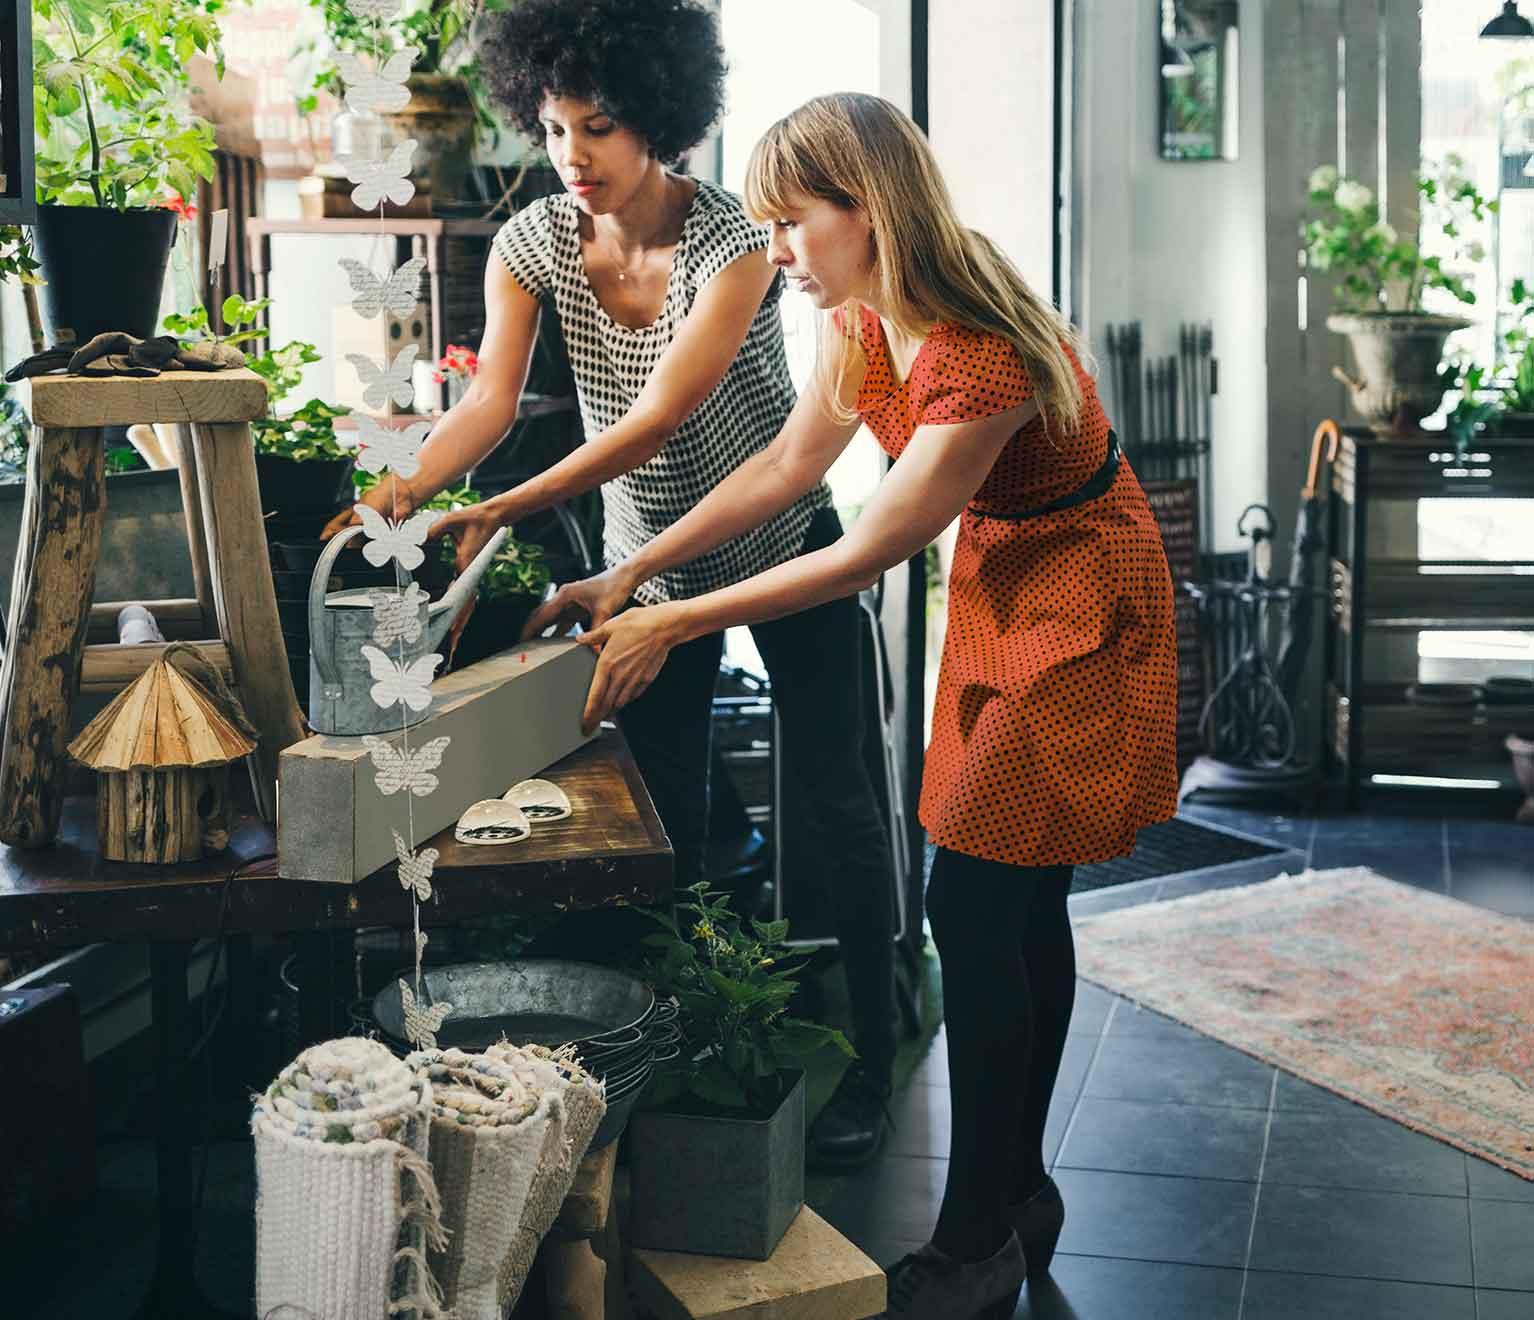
[
  {"x": 196, "y": 534},
  {"x": 243, "y": 596},
  {"x": 54, "y": 579}
]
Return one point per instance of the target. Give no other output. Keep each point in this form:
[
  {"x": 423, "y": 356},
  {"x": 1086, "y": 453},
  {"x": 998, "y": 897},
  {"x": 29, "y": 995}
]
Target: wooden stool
[
  {"x": 56, "y": 573},
  {"x": 815, "y": 1274},
  {"x": 583, "y": 1265}
]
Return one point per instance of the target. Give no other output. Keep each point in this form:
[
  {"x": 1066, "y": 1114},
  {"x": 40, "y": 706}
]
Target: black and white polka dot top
[{"x": 540, "y": 246}]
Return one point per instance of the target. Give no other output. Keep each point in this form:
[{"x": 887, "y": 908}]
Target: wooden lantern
[{"x": 162, "y": 751}]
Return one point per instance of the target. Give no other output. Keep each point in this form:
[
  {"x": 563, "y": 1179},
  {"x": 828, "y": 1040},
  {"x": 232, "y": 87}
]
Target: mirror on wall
[{"x": 1197, "y": 70}]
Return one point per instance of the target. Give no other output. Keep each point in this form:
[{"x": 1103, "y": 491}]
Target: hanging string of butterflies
[{"x": 378, "y": 86}]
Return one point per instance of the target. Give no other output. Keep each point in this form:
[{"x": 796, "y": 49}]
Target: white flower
[
  {"x": 1385, "y": 233},
  {"x": 1323, "y": 178},
  {"x": 1476, "y": 250},
  {"x": 1454, "y": 161},
  {"x": 1352, "y": 196}
]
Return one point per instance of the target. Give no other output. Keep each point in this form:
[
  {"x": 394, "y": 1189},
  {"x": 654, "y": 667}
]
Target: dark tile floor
[{"x": 1201, "y": 1184}]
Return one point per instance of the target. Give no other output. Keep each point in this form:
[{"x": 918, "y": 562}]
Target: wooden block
[
  {"x": 509, "y": 717},
  {"x": 589, "y": 1200},
  {"x": 236, "y": 394},
  {"x": 815, "y": 1274}
]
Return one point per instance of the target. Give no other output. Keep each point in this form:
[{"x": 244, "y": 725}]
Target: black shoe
[
  {"x": 851, "y": 1128},
  {"x": 927, "y": 1285},
  {"x": 1037, "y": 1223}
]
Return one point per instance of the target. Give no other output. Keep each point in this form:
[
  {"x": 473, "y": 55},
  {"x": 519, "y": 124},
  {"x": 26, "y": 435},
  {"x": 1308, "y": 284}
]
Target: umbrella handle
[{"x": 1326, "y": 431}]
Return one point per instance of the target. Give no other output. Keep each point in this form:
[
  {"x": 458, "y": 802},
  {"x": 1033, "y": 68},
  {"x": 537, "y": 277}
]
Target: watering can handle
[{"x": 321, "y": 644}]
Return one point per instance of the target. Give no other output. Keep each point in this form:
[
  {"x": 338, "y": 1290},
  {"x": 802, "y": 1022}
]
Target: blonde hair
[{"x": 858, "y": 150}]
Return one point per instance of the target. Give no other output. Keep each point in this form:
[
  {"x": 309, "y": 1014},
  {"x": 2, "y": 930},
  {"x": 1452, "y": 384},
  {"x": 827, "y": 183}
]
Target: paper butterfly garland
[
  {"x": 374, "y": 8},
  {"x": 396, "y": 614},
  {"x": 422, "y": 1021},
  {"x": 380, "y": 179},
  {"x": 415, "y": 868},
  {"x": 399, "y": 541},
  {"x": 379, "y": 87},
  {"x": 397, "y": 294},
  {"x": 382, "y": 447},
  {"x": 382, "y": 385},
  {"x": 399, "y": 769},
  {"x": 393, "y": 682}
]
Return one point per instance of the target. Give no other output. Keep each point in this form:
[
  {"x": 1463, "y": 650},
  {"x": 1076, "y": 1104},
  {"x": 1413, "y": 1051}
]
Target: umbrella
[{"x": 1294, "y": 644}]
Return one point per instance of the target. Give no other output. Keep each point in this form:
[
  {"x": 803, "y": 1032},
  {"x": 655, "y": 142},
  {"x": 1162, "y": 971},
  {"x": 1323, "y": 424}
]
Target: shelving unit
[{"x": 1371, "y": 727}]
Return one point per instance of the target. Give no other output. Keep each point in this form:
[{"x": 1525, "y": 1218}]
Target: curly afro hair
[{"x": 656, "y": 66}]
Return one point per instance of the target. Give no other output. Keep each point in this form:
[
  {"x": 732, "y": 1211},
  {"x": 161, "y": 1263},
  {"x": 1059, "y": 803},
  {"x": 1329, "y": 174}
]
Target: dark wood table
[{"x": 612, "y": 851}]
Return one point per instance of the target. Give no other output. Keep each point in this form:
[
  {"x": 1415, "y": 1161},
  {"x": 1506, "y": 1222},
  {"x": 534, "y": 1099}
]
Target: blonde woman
[{"x": 1053, "y": 735}]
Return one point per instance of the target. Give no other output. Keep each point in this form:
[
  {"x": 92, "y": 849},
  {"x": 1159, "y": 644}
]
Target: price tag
[{"x": 218, "y": 242}]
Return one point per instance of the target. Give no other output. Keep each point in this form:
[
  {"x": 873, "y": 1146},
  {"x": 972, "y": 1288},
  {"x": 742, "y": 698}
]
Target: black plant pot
[
  {"x": 495, "y": 625},
  {"x": 302, "y": 491},
  {"x": 104, "y": 269}
]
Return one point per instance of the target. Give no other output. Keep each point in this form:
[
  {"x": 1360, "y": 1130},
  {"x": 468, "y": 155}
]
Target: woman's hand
[
  {"x": 632, "y": 648},
  {"x": 471, "y": 528},
  {"x": 590, "y": 603},
  {"x": 391, "y": 497}
]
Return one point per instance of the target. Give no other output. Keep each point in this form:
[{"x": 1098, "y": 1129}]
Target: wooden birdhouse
[{"x": 161, "y": 752}]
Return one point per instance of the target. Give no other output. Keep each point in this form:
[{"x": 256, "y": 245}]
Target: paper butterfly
[
  {"x": 397, "y": 294},
  {"x": 374, "y": 8},
  {"x": 394, "y": 683},
  {"x": 415, "y": 868},
  {"x": 383, "y": 384},
  {"x": 379, "y": 179},
  {"x": 422, "y": 1020},
  {"x": 387, "y": 447},
  {"x": 399, "y": 769},
  {"x": 397, "y": 614},
  {"x": 400, "y": 541},
  {"x": 378, "y": 87}
]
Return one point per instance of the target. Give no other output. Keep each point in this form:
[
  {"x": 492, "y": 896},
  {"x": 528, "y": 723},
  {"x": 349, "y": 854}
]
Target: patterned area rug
[{"x": 1412, "y": 1004}]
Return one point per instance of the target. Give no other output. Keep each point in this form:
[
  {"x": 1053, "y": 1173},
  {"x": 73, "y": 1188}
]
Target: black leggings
[{"x": 1009, "y": 984}]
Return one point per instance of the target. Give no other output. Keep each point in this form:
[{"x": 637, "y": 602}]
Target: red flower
[
  {"x": 459, "y": 360},
  {"x": 184, "y": 209}
]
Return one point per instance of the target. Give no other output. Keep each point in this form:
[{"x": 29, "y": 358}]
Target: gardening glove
[
  {"x": 39, "y": 364},
  {"x": 205, "y": 356},
  {"x": 110, "y": 354}
]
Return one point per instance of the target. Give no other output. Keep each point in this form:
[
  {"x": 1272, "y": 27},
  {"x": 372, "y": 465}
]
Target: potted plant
[
  {"x": 717, "y": 1154},
  {"x": 448, "y": 105},
  {"x": 456, "y": 368},
  {"x": 1382, "y": 280},
  {"x": 113, "y": 137}
]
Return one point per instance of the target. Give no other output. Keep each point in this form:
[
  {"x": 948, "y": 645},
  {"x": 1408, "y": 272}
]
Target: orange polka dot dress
[{"x": 1054, "y": 732}]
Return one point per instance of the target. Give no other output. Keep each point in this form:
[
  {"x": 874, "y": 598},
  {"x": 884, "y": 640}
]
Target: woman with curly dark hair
[{"x": 669, "y": 309}]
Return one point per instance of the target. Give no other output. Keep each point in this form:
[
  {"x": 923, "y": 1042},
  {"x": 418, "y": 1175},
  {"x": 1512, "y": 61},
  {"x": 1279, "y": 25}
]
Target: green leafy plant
[
  {"x": 1478, "y": 402},
  {"x": 306, "y": 434},
  {"x": 1517, "y": 377},
  {"x": 109, "y": 101},
  {"x": 439, "y": 30},
  {"x": 15, "y": 436},
  {"x": 17, "y": 260},
  {"x": 1377, "y": 269},
  {"x": 733, "y": 981}
]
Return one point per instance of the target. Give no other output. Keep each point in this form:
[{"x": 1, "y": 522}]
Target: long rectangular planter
[{"x": 717, "y": 1186}]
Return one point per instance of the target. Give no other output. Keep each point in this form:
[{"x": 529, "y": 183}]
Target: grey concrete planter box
[{"x": 717, "y": 1186}]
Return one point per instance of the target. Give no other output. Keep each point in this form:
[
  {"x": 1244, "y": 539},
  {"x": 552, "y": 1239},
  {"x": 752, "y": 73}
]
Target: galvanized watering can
[{"x": 342, "y": 678}]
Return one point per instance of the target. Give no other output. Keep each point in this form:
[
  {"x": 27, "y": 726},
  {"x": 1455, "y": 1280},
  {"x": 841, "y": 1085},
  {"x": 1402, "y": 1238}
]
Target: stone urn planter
[
  {"x": 440, "y": 117},
  {"x": 1397, "y": 355},
  {"x": 1523, "y": 766}
]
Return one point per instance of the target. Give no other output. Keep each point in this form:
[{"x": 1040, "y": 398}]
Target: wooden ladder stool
[
  {"x": 815, "y": 1274},
  {"x": 55, "y": 574}
]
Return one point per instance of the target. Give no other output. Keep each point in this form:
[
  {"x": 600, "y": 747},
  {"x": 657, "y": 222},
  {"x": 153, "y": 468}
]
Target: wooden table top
[{"x": 612, "y": 851}]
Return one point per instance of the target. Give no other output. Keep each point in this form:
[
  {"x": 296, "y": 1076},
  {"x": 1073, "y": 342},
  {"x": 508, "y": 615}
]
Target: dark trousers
[{"x": 813, "y": 660}]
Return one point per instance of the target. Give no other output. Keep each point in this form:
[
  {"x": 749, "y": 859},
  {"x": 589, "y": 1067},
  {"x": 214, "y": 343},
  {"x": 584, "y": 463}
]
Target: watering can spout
[{"x": 444, "y": 611}]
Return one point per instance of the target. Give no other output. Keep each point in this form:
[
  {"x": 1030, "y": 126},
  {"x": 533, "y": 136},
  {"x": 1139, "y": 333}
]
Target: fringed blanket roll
[
  {"x": 508, "y": 1128},
  {"x": 346, "y": 1204}
]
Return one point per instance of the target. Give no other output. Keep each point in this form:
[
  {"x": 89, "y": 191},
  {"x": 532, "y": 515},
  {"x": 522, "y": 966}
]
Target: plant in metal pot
[
  {"x": 114, "y": 136},
  {"x": 1385, "y": 279},
  {"x": 718, "y": 1151},
  {"x": 449, "y": 107}
]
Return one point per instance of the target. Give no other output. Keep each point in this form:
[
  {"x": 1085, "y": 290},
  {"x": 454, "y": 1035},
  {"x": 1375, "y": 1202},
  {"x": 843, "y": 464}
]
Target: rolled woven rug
[
  {"x": 346, "y": 1204},
  {"x": 508, "y": 1128}
]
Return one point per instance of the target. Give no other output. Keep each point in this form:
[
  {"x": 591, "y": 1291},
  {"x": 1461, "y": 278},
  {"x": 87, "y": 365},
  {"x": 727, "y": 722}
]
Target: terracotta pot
[
  {"x": 440, "y": 117},
  {"x": 1523, "y": 766},
  {"x": 1398, "y": 354}
]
